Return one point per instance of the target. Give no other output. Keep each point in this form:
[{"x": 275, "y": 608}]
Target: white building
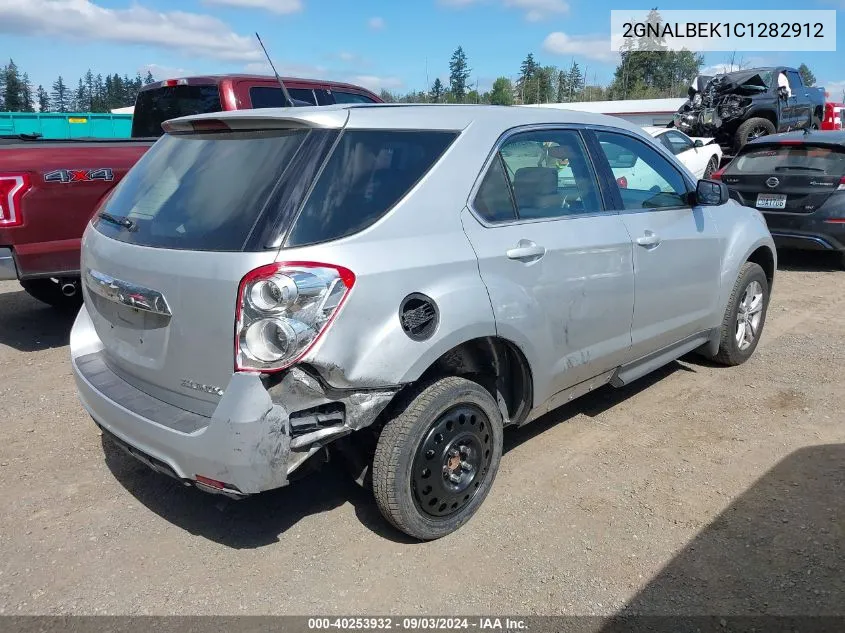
[{"x": 647, "y": 112}]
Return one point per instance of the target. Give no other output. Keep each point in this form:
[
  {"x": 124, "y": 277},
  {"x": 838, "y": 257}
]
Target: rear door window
[
  {"x": 677, "y": 143},
  {"x": 154, "y": 107},
  {"x": 550, "y": 174},
  {"x": 806, "y": 159},
  {"x": 200, "y": 191},
  {"x": 366, "y": 175},
  {"x": 270, "y": 97},
  {"x": 350, "y": 97},
  {"x": 494, "y": 200}
]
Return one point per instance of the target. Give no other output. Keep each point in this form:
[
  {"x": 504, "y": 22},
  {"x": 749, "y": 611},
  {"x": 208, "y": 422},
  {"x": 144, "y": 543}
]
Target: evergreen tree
[
  {"x": 807, "y": 75},
  {"x": 562, "y": 87},
  {"x": 12, "y": 88},
  {"x": 88, "y": 97},
  {"x": 437, "y": 91},
  {"x": 27, "y": 101},
  {"x": 80, "y": 99},
  {"x": 648, "y": 69},
  {"x": 459, "y": 72},
  {"x": 43, "y": 99},
  {"x": 60, "y": 96},
  {"x": 149, "y": 79},
  {"x": 576, "y": 81},
  {"x": 128, "y": 97},
  {"x": 527, "y": 74},
  {"x": 99, "y": 100}
]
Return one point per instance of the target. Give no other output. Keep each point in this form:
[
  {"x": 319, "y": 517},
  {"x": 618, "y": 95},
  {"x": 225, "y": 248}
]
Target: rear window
[
  {"x": 154, "y": 107},
  {"x": 350, "y": 97},
  {"x": 367, "y": 174},
  {"x": 200, "y": 191},
  {"x": 782, "y": 158},
  {"x": 270, "y": 97}
]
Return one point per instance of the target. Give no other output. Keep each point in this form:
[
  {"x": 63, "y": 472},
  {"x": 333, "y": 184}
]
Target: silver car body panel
[{"x": 597, "y": 303}]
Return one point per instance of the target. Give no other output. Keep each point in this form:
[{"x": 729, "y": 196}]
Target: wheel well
[
  {"x": 496, "y": 364},
  {"x": 767, "y": 114},
  {"x": 766, "y": 260}
]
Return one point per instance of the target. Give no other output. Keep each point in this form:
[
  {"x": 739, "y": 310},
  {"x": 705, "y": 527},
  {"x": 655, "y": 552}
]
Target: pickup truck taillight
[
  {"x": 13, "y": 186},
  {"x": 282, "y": 310}
]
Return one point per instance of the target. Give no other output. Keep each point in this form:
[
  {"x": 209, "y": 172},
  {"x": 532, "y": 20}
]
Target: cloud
[
  {"x": 282, "y": 7},
  {"x": 537, "y": 10},
  {"x": 834, "y": 88},
  {"x": 376, "y": 23},
  {"x": 193, "y": 34},
  {"x": 589, "y": 46}
]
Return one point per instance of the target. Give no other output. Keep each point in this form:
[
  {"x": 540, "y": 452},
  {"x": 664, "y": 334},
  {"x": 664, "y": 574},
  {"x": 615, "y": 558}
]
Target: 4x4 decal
[{"x": 79, "y": 175}]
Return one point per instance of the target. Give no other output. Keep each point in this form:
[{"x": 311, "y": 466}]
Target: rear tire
[
  {"x": 436, "y": 459},
  {"x": 50, "y": 292},
  {"x": 744, "y": 317},
  {"x": 754, "y": 127}
]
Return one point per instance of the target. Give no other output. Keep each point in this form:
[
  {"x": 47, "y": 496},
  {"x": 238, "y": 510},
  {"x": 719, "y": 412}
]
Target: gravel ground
[{"x": 697, "y": 490}]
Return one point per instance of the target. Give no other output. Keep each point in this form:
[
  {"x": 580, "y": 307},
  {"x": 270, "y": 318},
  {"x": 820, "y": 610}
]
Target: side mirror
[
  {"x": 711, "y": 193},
  {"x": 699, "y": 142}
]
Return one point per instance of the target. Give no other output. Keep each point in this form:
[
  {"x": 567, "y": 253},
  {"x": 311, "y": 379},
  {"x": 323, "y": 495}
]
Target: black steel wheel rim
[
  {"x": 757, "y": 132},
  {"x": 452, "y": 461}
]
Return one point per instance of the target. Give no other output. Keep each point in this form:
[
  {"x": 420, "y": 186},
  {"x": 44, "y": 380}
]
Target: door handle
[
  {"x": 650, "y": 239},
  {"x": 526, "y": 251}
]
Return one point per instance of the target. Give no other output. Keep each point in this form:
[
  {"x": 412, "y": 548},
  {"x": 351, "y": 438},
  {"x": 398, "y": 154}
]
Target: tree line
[
  {"x": 93, "y": 93},
  {"x": 647, "y": 69}
]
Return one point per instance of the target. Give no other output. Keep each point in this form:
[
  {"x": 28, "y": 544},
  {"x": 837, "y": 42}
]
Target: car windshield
[{"x": 772, "y": 159}]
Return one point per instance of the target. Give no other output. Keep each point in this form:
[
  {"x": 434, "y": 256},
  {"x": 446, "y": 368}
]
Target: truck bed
[{"x": 67, "y": 179}]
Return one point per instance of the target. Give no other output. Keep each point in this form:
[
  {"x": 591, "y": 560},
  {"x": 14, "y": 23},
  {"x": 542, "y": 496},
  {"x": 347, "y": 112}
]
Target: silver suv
[{"x": 397, "y": 284}]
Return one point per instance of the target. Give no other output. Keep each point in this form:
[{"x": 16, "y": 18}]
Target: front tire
[
  {"x": 744, "y": 317},
  {"x": 754, "y": 127},
  {"x": 436, "y": 459}
]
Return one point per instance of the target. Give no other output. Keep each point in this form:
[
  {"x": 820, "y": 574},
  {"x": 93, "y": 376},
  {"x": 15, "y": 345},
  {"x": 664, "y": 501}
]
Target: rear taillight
[
  {"x": 622, "y": 182},
  {"x": 717, "y": 175},
  {"x": 12, "y": 189},
  {"x": 841, "y": 186},
  {"x": 283, "y": 309}
]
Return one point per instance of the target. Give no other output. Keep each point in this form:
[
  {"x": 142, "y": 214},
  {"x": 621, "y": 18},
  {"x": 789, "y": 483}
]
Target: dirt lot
[{"x": 697, "y": 490}]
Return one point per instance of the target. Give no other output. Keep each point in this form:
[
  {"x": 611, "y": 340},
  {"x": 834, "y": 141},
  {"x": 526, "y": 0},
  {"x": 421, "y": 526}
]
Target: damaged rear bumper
[{"x": 247, "y": 446}]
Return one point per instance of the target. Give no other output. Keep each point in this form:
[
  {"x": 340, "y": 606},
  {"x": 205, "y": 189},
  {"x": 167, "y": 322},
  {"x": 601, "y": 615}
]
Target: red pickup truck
[{"x": 49, "y": 189}]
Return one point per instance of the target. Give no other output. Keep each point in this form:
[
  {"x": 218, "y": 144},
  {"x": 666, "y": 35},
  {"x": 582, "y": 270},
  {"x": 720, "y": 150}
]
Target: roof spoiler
[{"x": 332, "y": 119}]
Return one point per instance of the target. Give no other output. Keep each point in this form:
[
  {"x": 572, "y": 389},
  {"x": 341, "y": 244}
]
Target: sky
[{"x": 379, "y": 44}]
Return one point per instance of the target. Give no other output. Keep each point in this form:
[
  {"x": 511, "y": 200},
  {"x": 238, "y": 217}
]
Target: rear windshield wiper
[
  {"x": 126, "y": 223},
  {"x": 786, "y": 167}
]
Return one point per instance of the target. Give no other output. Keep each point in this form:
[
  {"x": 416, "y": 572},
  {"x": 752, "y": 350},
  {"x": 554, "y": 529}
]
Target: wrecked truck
[{"x": 740, "y": 106}]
